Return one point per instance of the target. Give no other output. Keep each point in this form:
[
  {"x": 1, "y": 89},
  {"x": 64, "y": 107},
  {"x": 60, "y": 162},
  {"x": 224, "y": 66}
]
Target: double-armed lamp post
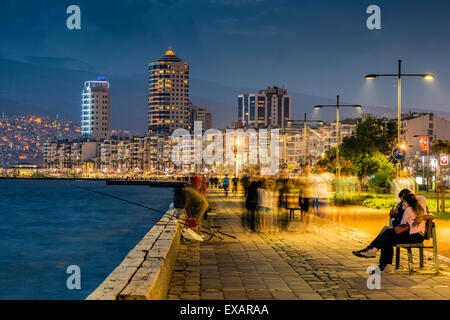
[
  {"x": 399, "y": 77},
  {"x": 338, "y": 138},
  {"x": 296, "y": 124}
]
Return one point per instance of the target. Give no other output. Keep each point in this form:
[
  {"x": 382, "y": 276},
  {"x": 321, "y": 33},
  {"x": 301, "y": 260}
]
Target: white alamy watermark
[
  {"x": 374, "y": 20},
  {"x": 73, "y": 22},
  {"x": 74, "y": 280},
  {"x": 253, "y": 147},
  {"x": 374, "y": 280}
]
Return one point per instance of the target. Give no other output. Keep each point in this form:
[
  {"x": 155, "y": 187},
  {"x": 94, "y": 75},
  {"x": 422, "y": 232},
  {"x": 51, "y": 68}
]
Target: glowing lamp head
[
  {"x": 428, "y": 77},
  {"x": 371, "y": 76},
  {"x": 403, "y": 146},
  {"x": 317, "y": 107}
]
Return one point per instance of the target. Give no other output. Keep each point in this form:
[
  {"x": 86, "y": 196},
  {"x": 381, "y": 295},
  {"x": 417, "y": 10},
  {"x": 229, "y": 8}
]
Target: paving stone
[{"x": 312, "y": 265}]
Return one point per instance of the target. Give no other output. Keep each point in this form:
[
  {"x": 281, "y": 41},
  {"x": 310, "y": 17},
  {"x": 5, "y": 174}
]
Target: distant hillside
[
  {"x": 26, "y": 88},
  {"x": 23, "y": 137}
]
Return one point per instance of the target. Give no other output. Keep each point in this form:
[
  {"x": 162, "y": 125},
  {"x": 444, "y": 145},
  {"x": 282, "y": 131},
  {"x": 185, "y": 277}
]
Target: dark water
[{"x": 46, "y": 226}]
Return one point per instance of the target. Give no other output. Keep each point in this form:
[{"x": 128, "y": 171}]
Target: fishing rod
[
  {"x": 207, "y": 228},
  {"x": 121, "y": 199},
  {"x": 153, "y": 209}
]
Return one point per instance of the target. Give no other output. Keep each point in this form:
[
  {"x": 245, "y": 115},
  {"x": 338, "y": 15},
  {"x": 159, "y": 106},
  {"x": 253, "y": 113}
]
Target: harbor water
[{"x": 47, "y": 226}]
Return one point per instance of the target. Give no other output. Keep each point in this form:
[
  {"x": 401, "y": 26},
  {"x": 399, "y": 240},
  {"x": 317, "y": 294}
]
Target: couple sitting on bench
[{"x": 407, "y": 225}]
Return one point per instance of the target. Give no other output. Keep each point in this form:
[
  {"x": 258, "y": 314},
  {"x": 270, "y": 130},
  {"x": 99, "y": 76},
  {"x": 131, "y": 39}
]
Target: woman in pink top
[{"x": 413, "y": 217}]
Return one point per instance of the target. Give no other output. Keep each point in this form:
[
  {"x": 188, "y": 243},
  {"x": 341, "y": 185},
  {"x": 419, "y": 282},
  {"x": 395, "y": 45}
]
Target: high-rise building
[
  {"x": 201, "y": 114},
  {"x": 168, "y": 98},
  {"x": 95, "y": 109},
  {"x": 266, "y": 108}
]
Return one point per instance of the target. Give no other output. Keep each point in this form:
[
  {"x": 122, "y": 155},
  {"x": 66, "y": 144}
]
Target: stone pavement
[{"x": 308, "y": 261}]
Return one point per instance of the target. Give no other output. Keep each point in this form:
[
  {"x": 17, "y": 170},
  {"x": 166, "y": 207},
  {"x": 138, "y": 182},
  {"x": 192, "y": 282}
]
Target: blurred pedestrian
[
  {"x": 235, "y": 185},
  {"x": 226, "y": 184},
  {"x": 251, "y": 203},
  {"x": 196, "y": 182}
]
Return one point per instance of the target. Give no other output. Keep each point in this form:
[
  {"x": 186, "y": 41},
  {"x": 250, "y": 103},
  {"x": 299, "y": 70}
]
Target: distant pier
[
  {"x": 151, "y": 183},
  {"x": 109, "y": 181}
]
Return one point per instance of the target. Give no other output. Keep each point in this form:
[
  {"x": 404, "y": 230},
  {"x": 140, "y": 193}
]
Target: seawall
[{"x": 146, "y": 271}]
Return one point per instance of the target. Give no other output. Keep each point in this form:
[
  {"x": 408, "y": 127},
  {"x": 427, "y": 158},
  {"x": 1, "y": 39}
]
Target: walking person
[
  {"x": 196, "y": 182},
  {"x": 235, "y": 185},
  {"x": 203, "y": 186},
  {"x": 251, "y": 203},
  {"x": 226, "y": 184},
  {"x": 264, "y": 205},
  {"x": 216, "y": 182}
]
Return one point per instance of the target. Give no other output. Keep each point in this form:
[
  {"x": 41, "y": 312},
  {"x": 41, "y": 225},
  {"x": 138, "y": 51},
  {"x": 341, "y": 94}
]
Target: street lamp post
[
  {"x": 296, "y": 123},
  {"x": 428, "y": 156},
  {"x": 399, "y": 76},
  {"x": 338, "y": 138}
]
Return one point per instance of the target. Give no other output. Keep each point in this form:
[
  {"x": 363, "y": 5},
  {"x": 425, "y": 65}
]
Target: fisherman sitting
[{"x": 190, "y": 199}]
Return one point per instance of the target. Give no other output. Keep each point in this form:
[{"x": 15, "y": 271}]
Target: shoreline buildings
[{"x": 170, "y": 108}]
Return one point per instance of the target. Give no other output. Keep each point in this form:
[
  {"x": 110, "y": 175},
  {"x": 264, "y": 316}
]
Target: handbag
[{"x": 401, "y": 228}]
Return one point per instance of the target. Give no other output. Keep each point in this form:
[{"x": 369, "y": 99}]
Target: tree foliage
[
  {"x": 369, "y": 145},
  {"x": 441, "y": 146}
]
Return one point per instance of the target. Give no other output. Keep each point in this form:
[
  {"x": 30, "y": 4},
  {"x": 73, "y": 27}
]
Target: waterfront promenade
[{"x": 304, "y": 262}]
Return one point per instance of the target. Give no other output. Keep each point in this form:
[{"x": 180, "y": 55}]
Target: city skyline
[
  {"x": 295, "y": 52},
  {"x": 225, "y": 151}
]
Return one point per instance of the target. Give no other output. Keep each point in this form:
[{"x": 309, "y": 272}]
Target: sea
[{"x": 54, "y": 233}]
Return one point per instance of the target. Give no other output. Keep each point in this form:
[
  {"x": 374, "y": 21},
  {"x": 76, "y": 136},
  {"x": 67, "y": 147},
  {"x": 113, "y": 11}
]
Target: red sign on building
[
  {"x": 444, "y": 159},
  {"x": 424, "y": 143}
]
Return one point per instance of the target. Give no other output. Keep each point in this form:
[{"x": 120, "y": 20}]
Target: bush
[
  {"x": 380, "y": 183},
  {"x": 377, "y": 201}
]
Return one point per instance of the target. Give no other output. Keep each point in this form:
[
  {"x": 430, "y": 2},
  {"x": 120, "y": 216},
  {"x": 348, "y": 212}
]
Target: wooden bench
[
  {"x": 430, "y": 233},
  {"x": 292, "y": 208}
]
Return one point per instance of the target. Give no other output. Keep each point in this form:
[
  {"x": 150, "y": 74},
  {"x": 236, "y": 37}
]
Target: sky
[{"x": 316, "y": 47}]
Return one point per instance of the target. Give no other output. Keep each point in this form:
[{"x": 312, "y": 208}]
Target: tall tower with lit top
[{"x": 168, "y": 97}]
